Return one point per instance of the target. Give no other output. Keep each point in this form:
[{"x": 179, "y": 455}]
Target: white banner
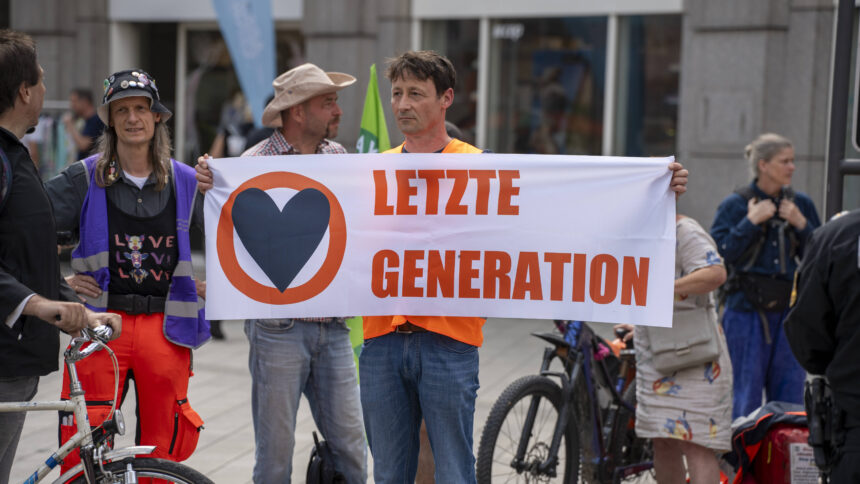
[{"x": 521, "y": 236}]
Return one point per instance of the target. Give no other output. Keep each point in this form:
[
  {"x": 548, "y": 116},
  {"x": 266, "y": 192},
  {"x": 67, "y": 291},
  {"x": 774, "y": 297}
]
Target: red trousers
[{"x": 160, "y": 370}]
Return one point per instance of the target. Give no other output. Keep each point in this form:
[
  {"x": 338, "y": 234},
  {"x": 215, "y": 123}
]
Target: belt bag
[
  {"x": 692, "y": 340},
  {"x": 766, "y": 293}
]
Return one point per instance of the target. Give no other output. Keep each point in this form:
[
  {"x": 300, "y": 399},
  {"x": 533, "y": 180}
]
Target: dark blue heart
[{"x": 281, "y": 241}]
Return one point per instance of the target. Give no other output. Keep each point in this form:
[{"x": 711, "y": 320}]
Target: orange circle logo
[{"x": 269, "y": 294}]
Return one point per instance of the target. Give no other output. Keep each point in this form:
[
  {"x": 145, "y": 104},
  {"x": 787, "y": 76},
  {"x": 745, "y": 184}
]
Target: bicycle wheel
[
  {"x": 626, "y": 449},
  {"x": 171, "y": 472},
  {"x": 504, "y": 428}
]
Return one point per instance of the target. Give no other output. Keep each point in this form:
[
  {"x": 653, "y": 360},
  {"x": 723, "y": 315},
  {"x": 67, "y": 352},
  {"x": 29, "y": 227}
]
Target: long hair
[{"x": 159, "y": 155}]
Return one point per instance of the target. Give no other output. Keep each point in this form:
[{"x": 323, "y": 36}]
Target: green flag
[
  {"x": 373, "y": 137},
  {"x": 356, "y": 337}
]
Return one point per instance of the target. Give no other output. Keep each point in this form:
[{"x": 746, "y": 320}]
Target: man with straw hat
[{"x": 292, "y": 356}]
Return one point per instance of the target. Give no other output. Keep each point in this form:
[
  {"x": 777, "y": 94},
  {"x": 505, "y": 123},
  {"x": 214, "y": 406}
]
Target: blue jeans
[
  {"x": 405, "y": 377},
  {"x": 287, "y": 358},
  {"x": 760, "y": 366}
]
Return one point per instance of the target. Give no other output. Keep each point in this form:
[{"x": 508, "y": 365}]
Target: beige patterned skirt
[{"x": 692, "y": 404}]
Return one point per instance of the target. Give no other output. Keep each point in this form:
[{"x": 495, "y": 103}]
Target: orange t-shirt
[{"x": 465, "y": 329}]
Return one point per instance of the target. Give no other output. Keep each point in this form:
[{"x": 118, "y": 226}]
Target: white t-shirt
[{"x": 137, "y": 180}]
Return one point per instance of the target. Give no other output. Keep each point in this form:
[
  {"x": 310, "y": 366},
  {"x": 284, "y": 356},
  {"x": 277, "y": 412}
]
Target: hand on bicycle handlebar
[
  {"x": 68, "y": 316},
  {"x": 111, "y": 320}
]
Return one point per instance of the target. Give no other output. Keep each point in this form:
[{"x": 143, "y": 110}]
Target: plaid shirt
[{"x": 276, "y": 145}]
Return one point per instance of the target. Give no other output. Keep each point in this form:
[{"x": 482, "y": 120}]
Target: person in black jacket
[
  {"x": 823, "y": 326},
  {"x": 30, "y": 281}
]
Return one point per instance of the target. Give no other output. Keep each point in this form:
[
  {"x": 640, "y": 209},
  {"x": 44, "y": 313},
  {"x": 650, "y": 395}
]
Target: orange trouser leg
[
  {"x": 160, "y": 371},
  {"x": 97, "y": 380}
]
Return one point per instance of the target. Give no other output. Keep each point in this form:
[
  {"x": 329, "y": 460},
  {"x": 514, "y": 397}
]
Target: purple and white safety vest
[{"x": 184, "y": 321}]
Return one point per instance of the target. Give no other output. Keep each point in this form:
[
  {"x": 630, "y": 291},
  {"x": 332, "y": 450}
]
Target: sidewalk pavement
[{"x": 220, "y": 392}]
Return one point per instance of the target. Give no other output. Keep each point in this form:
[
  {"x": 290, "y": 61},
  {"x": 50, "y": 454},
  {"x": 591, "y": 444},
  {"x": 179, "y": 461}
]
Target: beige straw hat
[{"x": 299, "y": 84}]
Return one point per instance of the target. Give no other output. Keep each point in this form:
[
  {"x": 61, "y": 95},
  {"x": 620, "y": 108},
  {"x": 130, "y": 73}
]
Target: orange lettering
[
  {"x": 381, "y": 207},
  {"x": 439, "y": 274},
  {"x": 634, "y": 280},
  {"x": 603, "y": 263},
  {"x": 468, "y": 272},
  {"x": 405, "y": 191},
  {"x": 497, "y": 266},
  {"x": 557, "y": 261},
  {"x": 411, "y": 272},
  {"x": 507, "y": 190},
  {"x": 483, "y": 177},
  {"x": 578, "y": 278},
  {"x": 461, "y": 181},
  {"x": 528, "y": 277},
  {"x": 432, "y": 177},
  {"x": 384, "y": 284}
]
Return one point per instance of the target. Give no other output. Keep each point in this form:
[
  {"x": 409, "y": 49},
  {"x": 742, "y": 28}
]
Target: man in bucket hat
[
  {"x": 292, "y": 356},
  {"x": 130, "y": 206}
]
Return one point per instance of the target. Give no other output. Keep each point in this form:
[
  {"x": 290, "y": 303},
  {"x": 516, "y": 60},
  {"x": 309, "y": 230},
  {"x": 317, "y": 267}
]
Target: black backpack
[{"x": 321, "y": 466}]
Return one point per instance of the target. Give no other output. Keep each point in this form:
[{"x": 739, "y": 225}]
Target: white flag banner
[{"x": 496, "y": 235}]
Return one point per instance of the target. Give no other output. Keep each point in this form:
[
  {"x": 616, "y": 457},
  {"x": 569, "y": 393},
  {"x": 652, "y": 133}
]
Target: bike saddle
[{"x": 552, "y": 338}]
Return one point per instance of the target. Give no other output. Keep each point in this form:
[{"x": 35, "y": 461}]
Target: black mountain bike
[{"x": 579, "y": 428}]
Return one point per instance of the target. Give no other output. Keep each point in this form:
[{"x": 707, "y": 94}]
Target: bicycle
[
  {"x": 541, "y": 431},
  {"x": 100, "y": 464}
]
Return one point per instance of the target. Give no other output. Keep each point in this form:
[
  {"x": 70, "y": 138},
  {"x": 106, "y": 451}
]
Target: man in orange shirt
[{"x": 425, "y": 366}]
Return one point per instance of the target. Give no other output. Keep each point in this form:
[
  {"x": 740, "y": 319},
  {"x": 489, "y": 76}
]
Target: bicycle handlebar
[{"x": 98, "y": 336}]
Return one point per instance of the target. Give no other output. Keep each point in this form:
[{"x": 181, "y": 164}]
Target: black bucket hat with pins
[{"x": 128, "y": 83}]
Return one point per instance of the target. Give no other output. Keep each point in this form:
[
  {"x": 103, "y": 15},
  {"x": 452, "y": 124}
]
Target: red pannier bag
[{"x": 763, "y": 443}]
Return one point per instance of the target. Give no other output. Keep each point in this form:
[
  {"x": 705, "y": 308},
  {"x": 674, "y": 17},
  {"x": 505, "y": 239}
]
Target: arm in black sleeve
[
  {"x": 67, "y": 192},
  {"x": 12, "y": 292},
  {"x": 810, "y": 326},
  {"x": 197, "y": 212}
]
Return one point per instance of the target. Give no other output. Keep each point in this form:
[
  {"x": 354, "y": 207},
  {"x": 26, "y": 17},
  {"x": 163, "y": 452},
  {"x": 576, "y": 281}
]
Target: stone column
[
  {"x": 349, "y": 37},
  {"x": 749, "y": 67},
  {"x": 72, "y": 42}
]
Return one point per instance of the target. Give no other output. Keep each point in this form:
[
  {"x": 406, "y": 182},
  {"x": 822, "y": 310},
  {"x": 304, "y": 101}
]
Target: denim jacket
[{"x": 734, "y": 233}]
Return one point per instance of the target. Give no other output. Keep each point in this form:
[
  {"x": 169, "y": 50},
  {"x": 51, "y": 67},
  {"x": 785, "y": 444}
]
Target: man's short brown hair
[
  {"x": 18, "y": 65},
  {"x": 423, "y": 65}
]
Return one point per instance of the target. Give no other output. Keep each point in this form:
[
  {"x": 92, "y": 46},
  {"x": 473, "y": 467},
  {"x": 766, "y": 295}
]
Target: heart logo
[{"x": 281, "y": 241}]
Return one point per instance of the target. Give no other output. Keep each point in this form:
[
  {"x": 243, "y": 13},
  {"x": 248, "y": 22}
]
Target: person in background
[
  {"x": 82, "y": 108},
  {"x": 761, "y": 231},
  {"x": 687, "y": 413}
]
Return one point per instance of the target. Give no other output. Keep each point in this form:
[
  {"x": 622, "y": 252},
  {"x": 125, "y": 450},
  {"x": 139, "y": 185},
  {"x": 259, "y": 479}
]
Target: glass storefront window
[
  {"x": 458, "y": 41},
  {"x": 649, "y": 59},
  {"x": 546, "y": 85},
  {"x": 213, "y": 93}
]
